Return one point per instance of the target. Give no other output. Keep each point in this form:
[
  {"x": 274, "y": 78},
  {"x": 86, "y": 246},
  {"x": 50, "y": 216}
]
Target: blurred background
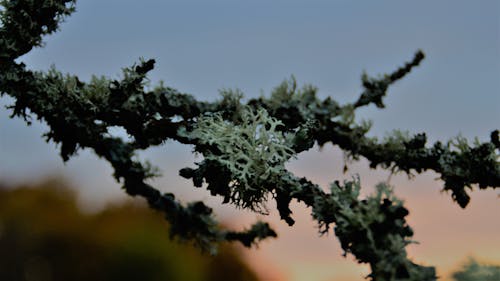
[
  {"x": 203, "y": 46},
  {"x": 44, "y": 236}
]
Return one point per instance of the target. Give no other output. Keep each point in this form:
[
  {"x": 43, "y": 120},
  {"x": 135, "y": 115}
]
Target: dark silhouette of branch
[{"x": 245, "y": 146}]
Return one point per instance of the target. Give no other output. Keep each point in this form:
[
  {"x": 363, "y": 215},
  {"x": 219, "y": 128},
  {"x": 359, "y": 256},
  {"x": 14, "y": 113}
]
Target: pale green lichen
[{"x": 253, "y": 150}]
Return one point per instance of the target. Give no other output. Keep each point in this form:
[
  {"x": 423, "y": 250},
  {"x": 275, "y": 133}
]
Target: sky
[{"x": 203, "y": 46}]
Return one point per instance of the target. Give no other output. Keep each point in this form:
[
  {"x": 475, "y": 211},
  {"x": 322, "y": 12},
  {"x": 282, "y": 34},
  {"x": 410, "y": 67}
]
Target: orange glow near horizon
[{"x": 447, "y": 235}]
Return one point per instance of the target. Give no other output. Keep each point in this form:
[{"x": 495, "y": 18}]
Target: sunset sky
[{"x": 202, "y": 46}]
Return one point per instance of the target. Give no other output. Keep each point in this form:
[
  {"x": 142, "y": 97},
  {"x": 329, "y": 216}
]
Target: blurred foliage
[
  {"x": 474, "y": 271},
  {"x": 44, "y": 236}
]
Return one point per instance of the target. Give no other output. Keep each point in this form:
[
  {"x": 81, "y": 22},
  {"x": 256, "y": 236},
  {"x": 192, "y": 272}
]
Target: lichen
[{"x": 254, "y": 151}]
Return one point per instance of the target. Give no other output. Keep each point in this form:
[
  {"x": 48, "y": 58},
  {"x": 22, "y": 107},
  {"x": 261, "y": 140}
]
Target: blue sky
[{"x": 203, "y": 46}]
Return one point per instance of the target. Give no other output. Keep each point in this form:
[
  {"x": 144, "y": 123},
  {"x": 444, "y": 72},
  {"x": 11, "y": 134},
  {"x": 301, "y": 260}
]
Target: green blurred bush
[
  {"x": 44, "y": 236},
  {"x": 474, "y": 271}
]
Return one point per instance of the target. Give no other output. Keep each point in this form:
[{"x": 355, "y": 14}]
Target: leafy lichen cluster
[
  {"x": 245, "y": 146},
  {"x": 253, "y": 151}
]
